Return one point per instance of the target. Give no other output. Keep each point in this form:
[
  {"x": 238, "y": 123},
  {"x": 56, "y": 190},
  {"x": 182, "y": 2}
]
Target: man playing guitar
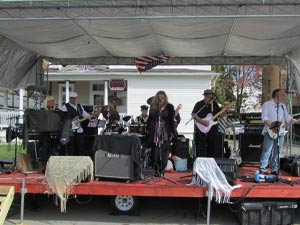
[
  {"x": 74, "y": 109},
  {"x": 274, "y": 113},
  {"x": 206, "y": 142}
]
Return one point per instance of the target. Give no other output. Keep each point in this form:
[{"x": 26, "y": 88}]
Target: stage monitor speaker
[
  {"x": 251, "y": 147},
  {"x": 112, "y": 165}
]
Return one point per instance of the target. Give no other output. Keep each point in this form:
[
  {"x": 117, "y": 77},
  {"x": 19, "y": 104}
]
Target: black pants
[
  {"x": 161, "y": 155},
  {"x": 206, "y": 145},
  {"x": 76, "y": 145},
  {"x": 49, "y": 146}
]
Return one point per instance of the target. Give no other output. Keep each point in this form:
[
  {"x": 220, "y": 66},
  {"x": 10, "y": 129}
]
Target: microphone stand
[
  {"x": 277, "y": 138},
  {"x": 159, "y": 141},
  {"x": 159, "y": 145},
  {"x": 195, "y": 114}
]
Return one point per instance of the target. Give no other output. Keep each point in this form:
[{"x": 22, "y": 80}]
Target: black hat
[
  {"x": 144, "y": 107},
  {"x": 208, "y": 92}
]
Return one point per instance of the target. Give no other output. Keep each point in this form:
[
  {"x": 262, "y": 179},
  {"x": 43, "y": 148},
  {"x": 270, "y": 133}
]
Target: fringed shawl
[
  {"x": 63, "y": 171},
  {"x": 206, "y": 171}
]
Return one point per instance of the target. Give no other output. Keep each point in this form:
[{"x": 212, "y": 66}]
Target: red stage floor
[{"x": 175, "y": 185}]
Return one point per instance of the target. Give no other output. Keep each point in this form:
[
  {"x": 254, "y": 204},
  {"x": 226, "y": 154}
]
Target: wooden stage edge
[{"x": 173, "y": 185}]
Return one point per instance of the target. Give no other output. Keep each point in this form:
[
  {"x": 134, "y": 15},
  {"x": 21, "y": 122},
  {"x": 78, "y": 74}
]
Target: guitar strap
[
  {"x": 74, "y": 112},
  {"x": 283, "y": 111},
  {"x": 79, "y": 110}
]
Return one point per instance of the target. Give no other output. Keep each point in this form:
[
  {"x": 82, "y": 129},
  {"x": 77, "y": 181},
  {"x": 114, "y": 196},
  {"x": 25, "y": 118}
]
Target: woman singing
[{"x": 161, "y": 128}]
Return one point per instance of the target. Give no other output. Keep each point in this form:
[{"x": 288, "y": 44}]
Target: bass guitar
[
  {"x": 210, "y": 118},
  {"x": 76, "y": 120}
]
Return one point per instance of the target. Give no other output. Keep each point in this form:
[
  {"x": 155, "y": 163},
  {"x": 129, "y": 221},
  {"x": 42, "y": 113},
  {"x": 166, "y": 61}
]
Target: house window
[
  {"x": 98, "y": 100},
  {"x": 62, "y": 93},
  {"x": 98, "y": 87},
  {"x": 97, "y": 94}
]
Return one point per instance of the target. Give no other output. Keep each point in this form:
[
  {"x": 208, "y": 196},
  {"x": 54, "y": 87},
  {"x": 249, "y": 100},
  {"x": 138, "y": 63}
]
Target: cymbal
[
  {"x": 149, "y": 100},
  {"x": 126, "y": 118},
  {"x": 115, "y": 100}
]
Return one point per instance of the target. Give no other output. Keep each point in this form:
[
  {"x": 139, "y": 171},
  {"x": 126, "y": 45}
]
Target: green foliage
[
  {"x": 223, "y": 85},
  {"x": 236, "y": 83},
  {"x": 7, "y": 151}
]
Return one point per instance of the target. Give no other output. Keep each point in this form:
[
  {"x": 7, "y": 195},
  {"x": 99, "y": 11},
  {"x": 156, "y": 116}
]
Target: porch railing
[{"x": 8, "y": 118}]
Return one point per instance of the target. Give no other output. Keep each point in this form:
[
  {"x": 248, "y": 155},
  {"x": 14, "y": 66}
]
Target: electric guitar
[
  {"x": 210, "y": 118},
  {"x": 76, "y": 121},
  {"x": 234, "y": 152},
  {"x": 278, "y": 127}
]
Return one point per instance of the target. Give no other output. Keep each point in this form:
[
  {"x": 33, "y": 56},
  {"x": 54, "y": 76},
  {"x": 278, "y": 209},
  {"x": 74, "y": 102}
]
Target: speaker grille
[
  {"x": 251, "y": 147},
  {"x": 111, "y": 165}
]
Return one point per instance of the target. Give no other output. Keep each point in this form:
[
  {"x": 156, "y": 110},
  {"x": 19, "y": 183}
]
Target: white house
[{"x": 183, "y": 86}]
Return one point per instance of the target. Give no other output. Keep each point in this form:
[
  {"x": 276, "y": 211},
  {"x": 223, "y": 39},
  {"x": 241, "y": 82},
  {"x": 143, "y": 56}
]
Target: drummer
[
  {"x": 143, "y": 117},
  {"x": 111, "y": 116}
]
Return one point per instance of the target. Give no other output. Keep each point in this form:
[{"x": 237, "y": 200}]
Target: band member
[
  {"x": 274, "y": 112},
  {"x": 161, "y": 128},
  {"x": 142, "y": 119},
  {"x": 177, "y": 117},
  {"x": 49, "y": 103},
  {"x": 112, "y": 117},
  {"x": 205, "y": 142},
  {"x": 74, "y": 110},
  {"x": 49, "y": 144},
  {"x": 177, "y": 120}
]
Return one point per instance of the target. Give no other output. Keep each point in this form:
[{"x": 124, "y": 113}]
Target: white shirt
[{"x": 272, "y": 113}]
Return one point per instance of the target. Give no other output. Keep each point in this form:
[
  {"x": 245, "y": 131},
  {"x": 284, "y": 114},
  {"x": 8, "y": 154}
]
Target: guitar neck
[
  {"x": 223, "y": 110},
  {"x": 85, "y": 118},
  {"x": 88, "y": 117}
]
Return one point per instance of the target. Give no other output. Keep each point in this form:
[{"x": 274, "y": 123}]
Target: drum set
[{"x": 125, "y": 125}]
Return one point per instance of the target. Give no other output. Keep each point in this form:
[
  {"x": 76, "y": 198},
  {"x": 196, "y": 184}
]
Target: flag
[{"x": 147, "y": 62}]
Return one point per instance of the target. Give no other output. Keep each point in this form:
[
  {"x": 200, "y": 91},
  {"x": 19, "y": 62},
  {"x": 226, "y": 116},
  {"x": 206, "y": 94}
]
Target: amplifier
[
  {"x": 254, "y": 128},
  {"x": 251, "y": 145},
  {"x": 112, "y": 165},
  {"x": 229, "y": 168},
  {"x": 182, "y": 147}
]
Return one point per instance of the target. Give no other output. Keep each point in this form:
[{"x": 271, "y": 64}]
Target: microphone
[{"x": 158, "y": 102}]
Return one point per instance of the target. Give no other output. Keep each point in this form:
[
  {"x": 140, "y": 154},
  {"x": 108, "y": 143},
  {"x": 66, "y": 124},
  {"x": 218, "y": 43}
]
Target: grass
[{"x": 7, "y": 151}]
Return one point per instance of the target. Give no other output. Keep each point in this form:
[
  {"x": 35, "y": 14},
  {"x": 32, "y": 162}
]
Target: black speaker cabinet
[
  {"x": 182, "y": 147},
  {"x": 219, "y": 146},
  {"x": 251, "y": 145},
  {"x": 112, "y": 165}
]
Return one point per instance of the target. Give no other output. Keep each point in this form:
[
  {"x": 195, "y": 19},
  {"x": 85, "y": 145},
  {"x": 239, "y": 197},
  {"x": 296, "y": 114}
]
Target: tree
[{"x": 240, "y": 83}]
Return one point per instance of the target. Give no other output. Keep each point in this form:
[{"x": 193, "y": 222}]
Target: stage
[{"x": 173, "y": 185}]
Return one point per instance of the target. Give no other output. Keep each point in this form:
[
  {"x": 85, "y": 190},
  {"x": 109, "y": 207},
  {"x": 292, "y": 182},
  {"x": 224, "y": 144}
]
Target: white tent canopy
[{"x": 115, "y": 31}]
